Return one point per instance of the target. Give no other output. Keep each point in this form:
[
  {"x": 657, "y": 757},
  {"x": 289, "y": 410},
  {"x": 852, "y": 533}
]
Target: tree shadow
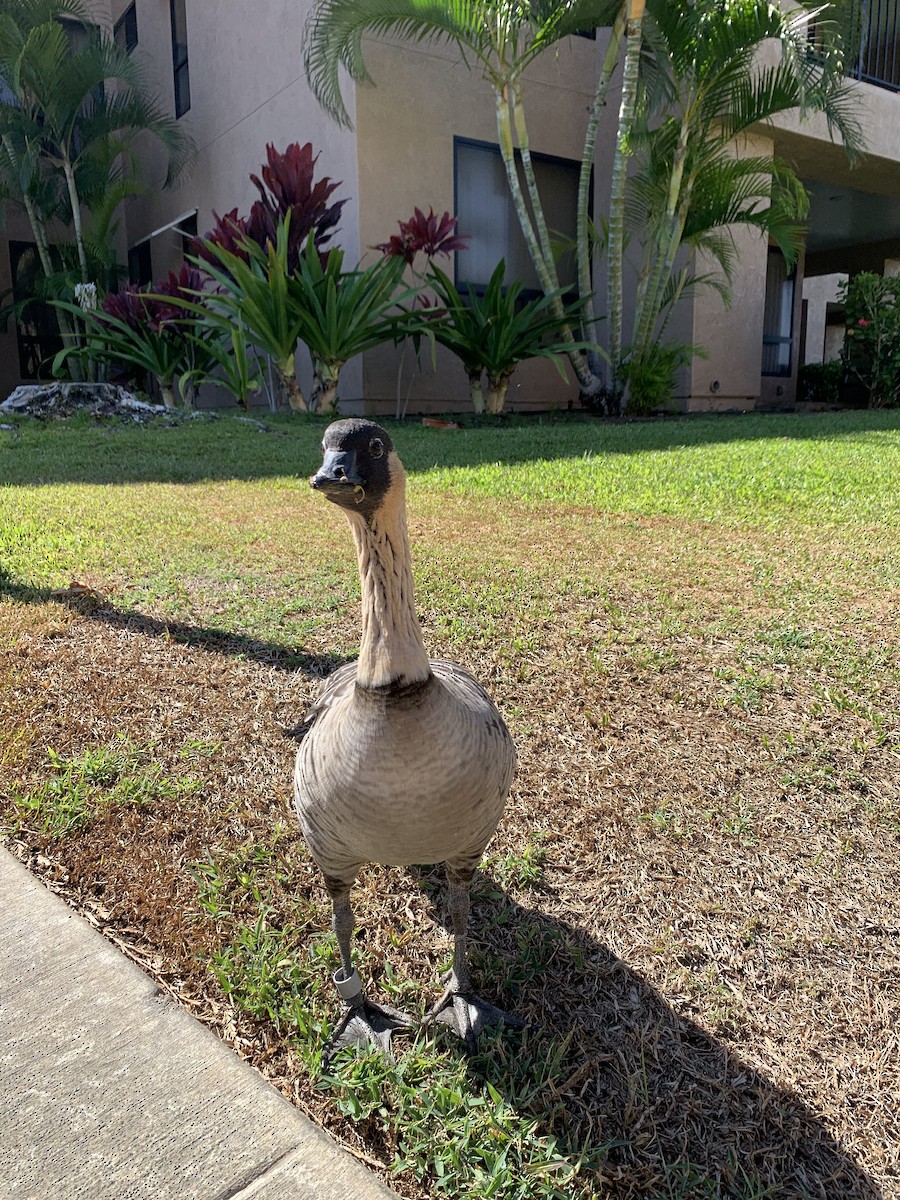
[
  {"x": 224, "y": 449},
  {"x": 210, "y": 638},
  {"x": 674, "y": 1113}
]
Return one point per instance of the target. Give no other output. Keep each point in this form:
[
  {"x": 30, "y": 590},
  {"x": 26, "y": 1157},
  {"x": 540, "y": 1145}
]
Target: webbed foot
[
  {"x": 468, "y": 1015},
  {"x": 365, "y": 1023}
]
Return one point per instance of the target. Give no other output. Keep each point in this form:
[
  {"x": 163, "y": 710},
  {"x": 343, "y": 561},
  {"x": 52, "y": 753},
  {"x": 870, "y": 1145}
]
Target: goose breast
[{"x": 402, "y": 778}]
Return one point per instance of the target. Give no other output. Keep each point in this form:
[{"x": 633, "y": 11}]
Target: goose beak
[{"x": 338, "y": 471}]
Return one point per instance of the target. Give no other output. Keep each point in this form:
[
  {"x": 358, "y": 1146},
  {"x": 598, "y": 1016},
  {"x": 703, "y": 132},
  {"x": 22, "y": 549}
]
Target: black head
[{"x": 355, "y": 470}]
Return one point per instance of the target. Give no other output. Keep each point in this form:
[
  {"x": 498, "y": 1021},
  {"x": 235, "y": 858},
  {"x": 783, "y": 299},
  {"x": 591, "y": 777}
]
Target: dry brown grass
[{"x": 715, "y": 920}]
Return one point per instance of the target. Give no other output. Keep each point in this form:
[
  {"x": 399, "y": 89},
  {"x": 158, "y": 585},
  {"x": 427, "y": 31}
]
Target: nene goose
[{"x": 402, "y": 760}]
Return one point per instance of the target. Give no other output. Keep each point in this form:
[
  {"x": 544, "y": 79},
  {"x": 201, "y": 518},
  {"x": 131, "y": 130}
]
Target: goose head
[{"x": 359, "y": 466}]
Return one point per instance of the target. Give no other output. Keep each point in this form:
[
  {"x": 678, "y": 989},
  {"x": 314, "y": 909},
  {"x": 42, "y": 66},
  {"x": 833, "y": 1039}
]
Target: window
[
  {"x": 37, "y": 332},
  {"x": 81, "y": 35},
  {"x": 140, "y": 263},
  {"x": 778, "y": 318},
  {"x": 180, "y": 57},
  {"x": 125, "y": 30},
  {"x": 488, "y": 220}
]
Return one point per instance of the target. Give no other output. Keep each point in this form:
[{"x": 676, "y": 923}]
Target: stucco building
[{"x": 425, "y": 135}]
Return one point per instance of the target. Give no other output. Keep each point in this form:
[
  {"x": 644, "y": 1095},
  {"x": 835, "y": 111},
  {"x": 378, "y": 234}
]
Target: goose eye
[{"x": 376, "y": 447}]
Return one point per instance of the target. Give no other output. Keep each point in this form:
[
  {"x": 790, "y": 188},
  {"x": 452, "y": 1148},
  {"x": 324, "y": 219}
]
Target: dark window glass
[
  {"x": 180, "y": 57},
  {"x": 80, "y": 35},
  {"x": 125, "y": 30},
  {"x": 140, "y": 263},
  {"x": 488, "y": 220},
  {"x": 778, "y": 318},
  {"x": 37, "y": 331}
]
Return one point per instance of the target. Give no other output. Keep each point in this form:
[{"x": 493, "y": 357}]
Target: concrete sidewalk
[{"x": 109, "y": 1091}]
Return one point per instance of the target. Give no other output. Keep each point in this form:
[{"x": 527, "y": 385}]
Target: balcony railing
[{"x": 876, "y": 38}]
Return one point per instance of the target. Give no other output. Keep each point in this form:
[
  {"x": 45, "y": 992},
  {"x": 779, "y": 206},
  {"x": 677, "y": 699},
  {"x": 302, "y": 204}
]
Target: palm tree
[
  {"x": 618, "y": 180},
  {"x": 70, "y": 111},
  {"x": 726, "y": 66},
  {"x": 503, "y": 38}
]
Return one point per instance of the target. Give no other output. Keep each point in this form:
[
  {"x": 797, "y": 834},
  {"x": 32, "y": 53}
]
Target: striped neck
[{"x": 392, "y": 652}]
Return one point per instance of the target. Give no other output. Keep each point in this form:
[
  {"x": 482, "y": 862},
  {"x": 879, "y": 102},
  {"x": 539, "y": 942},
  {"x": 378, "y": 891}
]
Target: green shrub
[
  {"x": 871, "y": 353},
  {"x": 821, "y": 383},
  {"x": 650, "y": 376}
]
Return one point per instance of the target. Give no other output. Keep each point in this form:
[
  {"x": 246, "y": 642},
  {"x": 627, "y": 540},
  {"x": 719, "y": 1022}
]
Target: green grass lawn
[{"x": 691, "y": 628}]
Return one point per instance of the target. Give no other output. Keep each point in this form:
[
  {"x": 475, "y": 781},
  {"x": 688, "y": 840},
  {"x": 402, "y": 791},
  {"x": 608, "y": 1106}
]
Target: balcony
[{"x": 876, "y": 37}]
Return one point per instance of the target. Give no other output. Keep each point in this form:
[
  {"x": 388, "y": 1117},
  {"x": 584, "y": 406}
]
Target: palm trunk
[
  {"x": 289, "y": 390},
  {"x": 616, "y": 248},
  {"x": 587, "y": 380},
  {"x": 498, "y": 386},
  {"x": 476, "y": 395},
  {"x": 323, "y": 397},
  {"x": 665, "y": 250},
  {"x": 77, "y": 225},
  {"x": 42, "y": 244},
  {"x": 75, "y": 205},
  {"x": 584, "y": 251},
  {"x": 540, "y": 222}
]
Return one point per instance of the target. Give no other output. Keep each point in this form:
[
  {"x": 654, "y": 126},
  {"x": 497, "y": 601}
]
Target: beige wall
[
  {"x": 247, "y": 89},
  {"x": 729, "y": 378},
  {"x": 423, "y": 97},
  {"x": 808, "y": 145},
  {"x": 819, "y": 292}
]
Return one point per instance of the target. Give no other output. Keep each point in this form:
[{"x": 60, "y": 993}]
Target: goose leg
[
  {"x": 459, "y": 1007},
  {"x": 364, "y": 1023}
]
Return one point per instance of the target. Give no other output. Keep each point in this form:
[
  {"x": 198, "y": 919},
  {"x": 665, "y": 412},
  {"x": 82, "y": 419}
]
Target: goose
[{"x": 402, "y": 760}]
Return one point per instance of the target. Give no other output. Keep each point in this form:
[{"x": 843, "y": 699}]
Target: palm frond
[{"x": 335, "y": 28}]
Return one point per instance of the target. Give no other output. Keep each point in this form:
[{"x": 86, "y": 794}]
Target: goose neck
[{"x": 392, "y": 651}]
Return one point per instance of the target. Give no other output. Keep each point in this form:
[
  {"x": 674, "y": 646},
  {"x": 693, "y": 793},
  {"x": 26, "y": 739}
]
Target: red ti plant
[
  {"x": 287, "y": 186},
  {"x": 186, "y": 285},
  {"x": 431, "y": 235},
  {"x": 144, "y": 330},
  {"x": 229, "y": 232},
  {"x": 127, "y": 306}
]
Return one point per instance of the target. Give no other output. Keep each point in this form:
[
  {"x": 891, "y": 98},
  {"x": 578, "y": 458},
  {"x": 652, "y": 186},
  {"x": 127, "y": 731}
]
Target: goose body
[
  {"x": 444, "y": 750},
  {"x": 402, "y": 760}
]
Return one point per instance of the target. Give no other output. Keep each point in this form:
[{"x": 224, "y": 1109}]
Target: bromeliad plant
[
  {"x": 251, "y": 258},
  {"x": 344, "y": 313},
  {"x": 252, "y": 292},
  {"x": 492, "y": 333},
  {"x": 335, "y": 313},
  {"x": 142, "y": 331}
]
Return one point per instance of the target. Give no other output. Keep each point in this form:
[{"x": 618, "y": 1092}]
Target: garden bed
[{"x": 691, "y": 629}]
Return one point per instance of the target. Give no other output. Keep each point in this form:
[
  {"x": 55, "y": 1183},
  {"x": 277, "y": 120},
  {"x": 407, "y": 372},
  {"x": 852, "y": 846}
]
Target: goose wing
[{"x": 335, "y": 688}]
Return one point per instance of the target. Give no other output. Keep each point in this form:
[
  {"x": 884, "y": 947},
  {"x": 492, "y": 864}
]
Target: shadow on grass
[
  {"x": 682, "y": 1115},
  {"x": 80, "y": 451},
  {"x": 204, "y": 637}
]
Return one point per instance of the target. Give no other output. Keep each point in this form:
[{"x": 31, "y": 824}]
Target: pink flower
[{"x": 862, "y": 321}]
